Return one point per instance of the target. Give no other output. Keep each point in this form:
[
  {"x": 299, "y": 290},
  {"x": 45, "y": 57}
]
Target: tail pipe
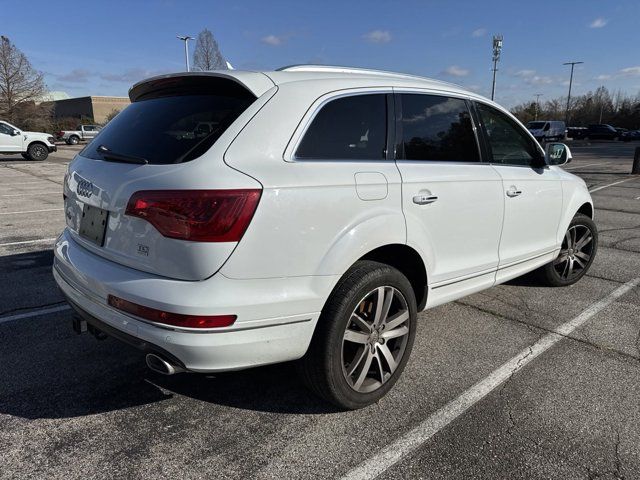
[{"x": 160, "y": 365}]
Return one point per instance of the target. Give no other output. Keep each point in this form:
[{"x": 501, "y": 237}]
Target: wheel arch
[
  {"x": 409, "y": 262},
  {"x": 586, "y": 209},
  {"x": 33, "y": 142}
]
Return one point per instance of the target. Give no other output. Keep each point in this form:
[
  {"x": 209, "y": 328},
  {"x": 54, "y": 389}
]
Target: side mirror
[
  {"x": 557, "y": 154},
  {"x": 14, "y": 133}
]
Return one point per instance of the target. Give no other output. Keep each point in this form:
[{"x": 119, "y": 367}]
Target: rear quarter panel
[{"x": 310, "y": 220}]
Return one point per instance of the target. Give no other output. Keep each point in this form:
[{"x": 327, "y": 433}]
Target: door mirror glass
[{"x": 557, "y": 154}]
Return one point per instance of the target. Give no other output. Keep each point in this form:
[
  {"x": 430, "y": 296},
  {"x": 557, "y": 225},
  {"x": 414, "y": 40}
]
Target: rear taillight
[
  {"x": 168, "y": 318},
  {"x": 196, "y": 215}
]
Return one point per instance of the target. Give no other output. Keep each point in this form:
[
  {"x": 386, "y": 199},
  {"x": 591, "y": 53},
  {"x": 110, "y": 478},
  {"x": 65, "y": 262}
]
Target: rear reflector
[
  {"x": 196, "y": 215},
  {"x": 168, "y": 318}
]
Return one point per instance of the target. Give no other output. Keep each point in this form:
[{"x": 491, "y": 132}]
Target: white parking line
[
  {"x": 33, "y": 211},
  {"x": 610, "y": 185},
  {"x": 411, "y": 441},
  {"x": 27, "y": 242},
  {"x": 584, "y": 166},
  {"x": 34, "y": 313},
  {"x": 30, "y": 194}
]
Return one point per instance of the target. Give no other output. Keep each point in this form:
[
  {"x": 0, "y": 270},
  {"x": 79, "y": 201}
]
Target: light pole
[
  {"x": 497, "y": 48},
  {"x": 185, "y": 39},
  {"x": 566, "y": 115},
  {"x": 537, "y": 95}
]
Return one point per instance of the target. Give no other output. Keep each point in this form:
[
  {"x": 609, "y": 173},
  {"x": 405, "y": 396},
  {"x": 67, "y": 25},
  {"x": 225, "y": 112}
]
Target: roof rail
[
  {"x": 357, "y": 70},
  {"x": 341, "y": 69}
]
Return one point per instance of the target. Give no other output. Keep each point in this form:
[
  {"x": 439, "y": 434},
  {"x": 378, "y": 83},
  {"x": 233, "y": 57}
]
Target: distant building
[
  {"x": 97, "y": 108},
  {"x": 53, "y": 96}
]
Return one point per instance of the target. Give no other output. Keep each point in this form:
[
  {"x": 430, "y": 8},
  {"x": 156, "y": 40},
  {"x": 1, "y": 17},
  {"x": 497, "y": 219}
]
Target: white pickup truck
[
  {"x": 82, "y": 132},
  {"x": 31, "y": 145}
]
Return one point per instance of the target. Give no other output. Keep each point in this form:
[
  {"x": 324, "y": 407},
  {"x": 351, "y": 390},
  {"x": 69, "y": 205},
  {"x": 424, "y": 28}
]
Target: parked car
[
  {"x": 31, "y": 145},
  {"x": 577, "y": 133},
  {"x": 547, "y": 130},
  {"x": 81, "y": 133},
  {"x": 621, "y": 131},
  {"x": 630, "y": 136},
  {"x": 325, "y": 210},
  {"x": 601, "y": 131}
]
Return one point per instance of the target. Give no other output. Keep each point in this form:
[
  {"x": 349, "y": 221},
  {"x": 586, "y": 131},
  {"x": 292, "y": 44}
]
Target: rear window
[{"x": 169, "y": 129}]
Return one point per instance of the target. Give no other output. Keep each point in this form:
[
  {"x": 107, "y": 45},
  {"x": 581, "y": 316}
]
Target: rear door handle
[
  {"x": 513, "y": 192},
  {"x": 424, "y": 199}
]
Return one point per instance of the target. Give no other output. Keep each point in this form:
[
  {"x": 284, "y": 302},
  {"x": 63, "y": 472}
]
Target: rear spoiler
[{"x": 233, "y": 83}]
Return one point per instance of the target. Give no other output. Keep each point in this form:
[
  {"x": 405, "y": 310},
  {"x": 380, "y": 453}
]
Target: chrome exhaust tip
[{"x": 160, "y": 365}]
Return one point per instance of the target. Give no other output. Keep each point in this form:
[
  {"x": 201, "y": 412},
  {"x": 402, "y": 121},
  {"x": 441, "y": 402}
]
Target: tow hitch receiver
[{"x": 79, "y": 325}]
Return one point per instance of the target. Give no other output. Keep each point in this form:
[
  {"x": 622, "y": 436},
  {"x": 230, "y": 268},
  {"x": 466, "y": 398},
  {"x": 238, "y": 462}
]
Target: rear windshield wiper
[{"x": 110, "y": 156}]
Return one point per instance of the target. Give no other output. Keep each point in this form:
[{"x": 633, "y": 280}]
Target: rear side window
[
  {"x": 437, "y": 128},
  {"x": 348, "y": 128},
  {"x": 169, "y": 129},
  {"x": 509, "y": 144}
]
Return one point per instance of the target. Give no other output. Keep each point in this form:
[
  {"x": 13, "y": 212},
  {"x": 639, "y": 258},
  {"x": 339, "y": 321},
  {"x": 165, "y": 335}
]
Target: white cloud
[
  {"x": 525, "y": 73},
  {"x": 456, "y": 71},
  {"x": 530, "y": 78},
  {"x": 631, "y": 71},
  {"x": 479, "y": 32},
  {"x": 273, "y": 40},
  {"x": 603, "y": 77},
  {"x": 377, "y": 36},
  {"x": 598, "y": 23}
]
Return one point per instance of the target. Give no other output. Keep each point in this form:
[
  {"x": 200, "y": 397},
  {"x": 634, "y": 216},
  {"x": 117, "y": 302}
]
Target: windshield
[
  {"x": 535, "y": 125},
  {"x": 168, "y": 129}
]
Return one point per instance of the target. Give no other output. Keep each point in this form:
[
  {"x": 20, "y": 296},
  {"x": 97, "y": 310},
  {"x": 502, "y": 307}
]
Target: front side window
[
  {"x": 5, "y": 129},
  {"x": 348, "y": 128},
  {"x": 437, "y": 128},
  {"x": 508, "y": 143}
]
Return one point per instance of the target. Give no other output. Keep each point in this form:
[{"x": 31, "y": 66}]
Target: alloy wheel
[
  {"x": 38, "y": 152},
  {"x": 575, "y": 253},
  {"x": 375, "y": 339}
]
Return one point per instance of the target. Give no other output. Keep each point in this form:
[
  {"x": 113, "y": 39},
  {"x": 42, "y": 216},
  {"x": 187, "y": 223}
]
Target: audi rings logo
[{"x": 84, "y": 188}]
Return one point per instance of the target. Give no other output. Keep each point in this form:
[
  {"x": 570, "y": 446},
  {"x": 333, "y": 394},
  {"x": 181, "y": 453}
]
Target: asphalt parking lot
[{"x": 519, "y": 381}]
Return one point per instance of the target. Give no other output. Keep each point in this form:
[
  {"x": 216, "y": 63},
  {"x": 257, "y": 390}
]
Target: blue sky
[{"x": 102, "y": 47}]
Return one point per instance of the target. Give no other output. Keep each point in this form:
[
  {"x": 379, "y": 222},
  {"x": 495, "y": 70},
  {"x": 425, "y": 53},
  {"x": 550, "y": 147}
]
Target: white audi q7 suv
[{"x": 320, "y": 210}]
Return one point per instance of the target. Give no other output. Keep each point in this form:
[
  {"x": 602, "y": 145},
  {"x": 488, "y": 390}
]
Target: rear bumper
[{"x": 276, "y": 317}]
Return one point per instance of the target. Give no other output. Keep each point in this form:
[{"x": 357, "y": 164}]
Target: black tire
[
  {"x": 323, "y": 367},
  {"x": 73, "y": 140},
  {"x": 561, "y": 273},
  {"x": 38, "y": 152},
  {"x": 25, "y": 156}
]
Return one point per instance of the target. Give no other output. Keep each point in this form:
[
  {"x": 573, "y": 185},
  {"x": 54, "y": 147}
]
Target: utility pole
[
  {"x": 566, "y": 115},
  {"x": 537, "y": 95},
  {"x": 497, "y": 48},
  {"x": 185, "y": 39}
]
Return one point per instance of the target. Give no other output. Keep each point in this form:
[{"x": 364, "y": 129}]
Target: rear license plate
[{"x": 93, "y": 224}]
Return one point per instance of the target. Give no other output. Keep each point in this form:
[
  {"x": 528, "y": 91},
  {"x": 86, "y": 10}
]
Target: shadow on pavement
[{"x": 47, "y": 371}]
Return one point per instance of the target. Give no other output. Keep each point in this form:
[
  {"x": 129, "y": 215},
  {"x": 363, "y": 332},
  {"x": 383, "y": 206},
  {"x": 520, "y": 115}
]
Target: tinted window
[
  {"x": 167, "y": 129},
  {"x": 348, "y": 128},
  {"x": 508, "y": 143},
  {"x": 6, "y": 129},
  {"x": 437, "y": 128}
]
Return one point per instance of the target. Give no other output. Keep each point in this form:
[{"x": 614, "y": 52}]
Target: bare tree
[
  {"x": 207, "y": 54},
  {"x": 21, "y": 87}
]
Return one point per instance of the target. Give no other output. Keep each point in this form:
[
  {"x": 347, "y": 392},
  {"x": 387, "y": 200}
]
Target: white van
[{"x": 547, "y": 130}]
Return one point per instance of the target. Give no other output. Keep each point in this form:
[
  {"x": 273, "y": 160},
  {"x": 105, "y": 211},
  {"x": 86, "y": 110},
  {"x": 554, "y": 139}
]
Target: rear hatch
[{"x": 152, "y": 191}]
